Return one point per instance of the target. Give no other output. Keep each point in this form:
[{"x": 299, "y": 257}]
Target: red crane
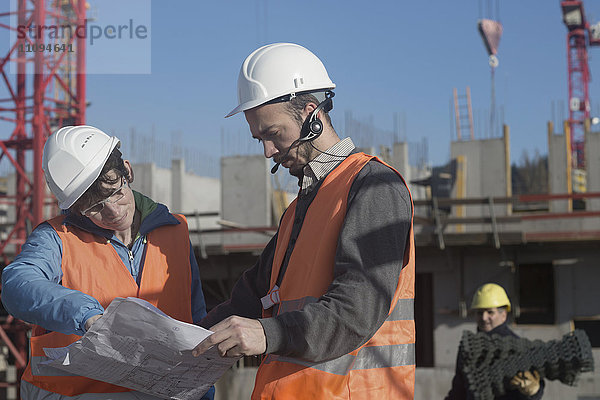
[
  {"x": 48, "y": 91},
  {"x": 580, "y": 35}
]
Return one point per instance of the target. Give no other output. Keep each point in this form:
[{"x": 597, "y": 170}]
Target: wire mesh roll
[{"x": 490, "y": 361}]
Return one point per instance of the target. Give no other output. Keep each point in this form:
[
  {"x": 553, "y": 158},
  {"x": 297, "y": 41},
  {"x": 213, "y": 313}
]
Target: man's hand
[
  {"x": 90, "y": 321},
  {"x": 234, "y": 337},
  {"x": 527, "y": 383}
]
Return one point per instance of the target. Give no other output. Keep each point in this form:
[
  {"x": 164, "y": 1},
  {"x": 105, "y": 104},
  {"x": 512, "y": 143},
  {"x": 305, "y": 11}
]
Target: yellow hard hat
[{"x": 490, "y": 295}]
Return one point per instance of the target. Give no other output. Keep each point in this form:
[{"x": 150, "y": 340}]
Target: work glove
[{"x": 528, "y": 383}]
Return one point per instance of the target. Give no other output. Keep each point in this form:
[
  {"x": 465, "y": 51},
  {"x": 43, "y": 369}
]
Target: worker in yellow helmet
[{"x": 491, "y": 306}]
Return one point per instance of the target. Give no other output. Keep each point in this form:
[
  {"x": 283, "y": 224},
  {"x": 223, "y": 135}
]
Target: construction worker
[
  {"x": 110, "y": 241},
  {"x": 330, "y": 300},
  {"x": 491, "y": 306}
]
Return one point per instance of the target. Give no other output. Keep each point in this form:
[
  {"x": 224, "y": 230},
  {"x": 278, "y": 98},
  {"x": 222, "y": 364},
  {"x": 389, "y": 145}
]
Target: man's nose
[
  {"x": 110, "y": 209},
  {"x": 269, "y": 149}
]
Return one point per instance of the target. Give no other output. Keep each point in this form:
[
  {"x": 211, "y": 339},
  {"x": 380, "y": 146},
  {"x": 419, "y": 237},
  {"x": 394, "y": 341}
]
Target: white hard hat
[
  {"x": 73, "y": 159},
  {"x": 277, "y": 70}
]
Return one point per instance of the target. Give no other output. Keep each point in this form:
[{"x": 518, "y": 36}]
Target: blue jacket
[{"x": 31, "y": 284}]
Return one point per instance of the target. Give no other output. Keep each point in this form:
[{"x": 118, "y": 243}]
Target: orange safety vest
[
  {"x": 382, "y": 368},
  {"x": 91, "y": 265}
]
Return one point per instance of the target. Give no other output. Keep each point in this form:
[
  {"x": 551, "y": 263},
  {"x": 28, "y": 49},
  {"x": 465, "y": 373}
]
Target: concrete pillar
[
  {"x": 508, "y": 172},
  {"x": 559, "y": 168},
  {"x": 385, "y": 154},
  {"x": 153, "y": 182},
  {"x": 592, "y": 166},
  {"x": 177, "y": 179},
  {"x": 143, "y": 179},
  {"x": 486, "y": 172},
  {"x": 460, "y": 189},
  {"x": 400, "y": 160},
  {"x": 246, "y": 197}
]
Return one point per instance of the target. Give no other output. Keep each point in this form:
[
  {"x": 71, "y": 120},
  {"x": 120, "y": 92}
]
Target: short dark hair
[
  {"x": 97, "y": 192},
  {"x": 296, "y": 105}
]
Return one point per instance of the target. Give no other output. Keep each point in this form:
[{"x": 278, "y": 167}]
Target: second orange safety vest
[
  {"x": 382, "y": 368},
  {"x": 91, "y": 265}
]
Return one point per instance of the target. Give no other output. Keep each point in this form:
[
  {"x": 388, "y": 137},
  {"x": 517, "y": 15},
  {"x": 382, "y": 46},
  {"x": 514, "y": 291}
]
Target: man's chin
[{"x": 296, "y": 171}]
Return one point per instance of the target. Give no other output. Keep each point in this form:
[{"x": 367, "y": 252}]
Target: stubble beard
[{"x": 302, "y": 152}]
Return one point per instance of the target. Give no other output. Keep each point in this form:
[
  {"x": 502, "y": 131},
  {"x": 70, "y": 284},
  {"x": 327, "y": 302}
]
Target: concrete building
[
  {"x": 197, "y": 197},
  {"x": 400, "y": 161},
  {"x": 246, "y": 200},
  {"x": 592, "y": 154},
  {"x": 483, "y": 171},
  {"x": 547, "y": 260}
]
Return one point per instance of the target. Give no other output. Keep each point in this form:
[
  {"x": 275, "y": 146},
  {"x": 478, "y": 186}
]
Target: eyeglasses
[{"x": 115, "y": 196}]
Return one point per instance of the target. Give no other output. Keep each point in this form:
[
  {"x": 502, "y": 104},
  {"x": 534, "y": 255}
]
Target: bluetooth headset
[{"x": 312, "y": 126}]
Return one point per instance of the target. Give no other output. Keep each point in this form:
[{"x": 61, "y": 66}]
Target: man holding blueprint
[{"x": 109, "y": 242}]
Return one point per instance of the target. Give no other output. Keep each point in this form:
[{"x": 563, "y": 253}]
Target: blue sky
[{"x": 384, "y": 56}]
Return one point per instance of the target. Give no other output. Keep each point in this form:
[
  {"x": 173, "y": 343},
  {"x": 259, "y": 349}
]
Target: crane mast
[
  {"x": 580, "y": 34},
  {"x": 48, "y": 91}
]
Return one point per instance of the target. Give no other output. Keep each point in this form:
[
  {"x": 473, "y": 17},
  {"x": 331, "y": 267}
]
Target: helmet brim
[{"x": 258, "y": 102}]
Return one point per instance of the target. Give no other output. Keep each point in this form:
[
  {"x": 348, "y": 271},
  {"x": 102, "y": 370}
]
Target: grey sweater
[{"x": 367, "y": 266}]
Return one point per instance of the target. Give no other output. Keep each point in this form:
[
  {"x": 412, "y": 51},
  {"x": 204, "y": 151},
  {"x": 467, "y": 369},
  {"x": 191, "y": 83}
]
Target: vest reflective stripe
[
  {"x": 404, "y": 309},
  {"x": 165, "y": 282},
  {"x": 397, "y": 355},
  {"x": 384, "y": 366},
  {"x": 380, "y": 351}
]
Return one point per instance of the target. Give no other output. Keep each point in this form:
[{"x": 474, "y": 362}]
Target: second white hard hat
[
  {"x": 277, "y": 70},
  {"x": 73, "y": 159}
]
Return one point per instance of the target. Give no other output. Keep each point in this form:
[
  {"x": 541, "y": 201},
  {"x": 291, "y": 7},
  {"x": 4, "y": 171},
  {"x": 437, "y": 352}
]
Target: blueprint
[{"x": 137, "y": 346}]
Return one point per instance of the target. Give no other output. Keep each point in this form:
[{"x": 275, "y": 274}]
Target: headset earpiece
[
  {"x": 316, "y": 126},
  {"x": 313, "y": 126}
]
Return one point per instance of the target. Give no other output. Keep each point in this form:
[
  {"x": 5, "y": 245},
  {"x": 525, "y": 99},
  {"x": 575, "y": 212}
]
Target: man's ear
[
  {"x": 308, "y": 109},
  {"x": 129, "y": 169}
]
